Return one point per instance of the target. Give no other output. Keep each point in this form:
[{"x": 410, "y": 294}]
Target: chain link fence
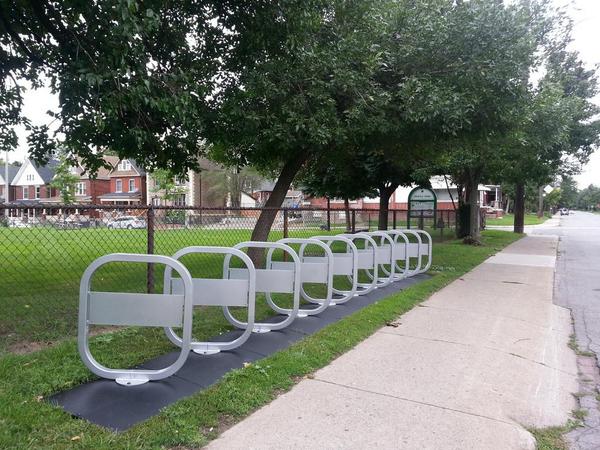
[{"x": 44, "y": 250}]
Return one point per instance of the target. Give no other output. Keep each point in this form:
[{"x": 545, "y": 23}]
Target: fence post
[
  {"x": 354, "y": 221},
  {"x": 328, "y": 214},
  {"x": 150, "y": 250},
  {"x": 285, "y": 223}
]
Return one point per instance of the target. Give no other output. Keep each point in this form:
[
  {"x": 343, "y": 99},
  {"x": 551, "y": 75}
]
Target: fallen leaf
[{"x": 76, "y": 438}]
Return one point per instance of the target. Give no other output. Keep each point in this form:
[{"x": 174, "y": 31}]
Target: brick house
[
  {"x": 88, "y": 190},
  {"x": 32, "y": 183},
  {"x": 127, "y": 184}
]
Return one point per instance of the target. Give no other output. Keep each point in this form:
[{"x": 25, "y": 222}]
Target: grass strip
[
  {"x": 27, "y": 421},
  {"x": 509, "y": 220}
]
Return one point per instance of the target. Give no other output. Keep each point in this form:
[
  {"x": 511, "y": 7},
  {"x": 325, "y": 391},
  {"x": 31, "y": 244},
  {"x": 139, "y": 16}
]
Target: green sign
[{"x": 422, "y": 202}]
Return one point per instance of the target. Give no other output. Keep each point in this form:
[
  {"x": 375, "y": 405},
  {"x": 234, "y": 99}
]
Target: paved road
[{"x": 577, "y": 287}]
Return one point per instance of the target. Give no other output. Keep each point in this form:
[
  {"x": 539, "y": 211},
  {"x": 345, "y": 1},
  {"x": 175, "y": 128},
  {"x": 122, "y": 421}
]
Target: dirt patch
[{"x": 25, "y": 347}]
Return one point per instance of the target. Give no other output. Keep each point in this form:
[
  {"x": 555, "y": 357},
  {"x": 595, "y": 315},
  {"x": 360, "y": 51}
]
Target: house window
[
  {"x": 132, "y": 185},
  {"x": 48, "y": 192},
  {"x": 37, "y": 192},
  {"x": 119, "y": 186},
  {"x": 25, "y": 193},
  {"x": 179, "y": 200},
  {"x": 125, "y": 165},
  {"x": 155, "y": 201},
  {"x": 29, "y": 177},
  {"x": 80, "y": 189}
]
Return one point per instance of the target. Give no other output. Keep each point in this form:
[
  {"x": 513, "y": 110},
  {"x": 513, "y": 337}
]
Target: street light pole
[{"x": 6, "y": 185}]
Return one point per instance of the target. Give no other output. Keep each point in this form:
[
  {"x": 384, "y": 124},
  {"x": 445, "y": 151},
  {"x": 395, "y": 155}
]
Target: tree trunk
[
  {"x": 519, "y": 224},
  {"x": 540, "y": 210},
  {"x": 275, "y": 200},
  {"x": 385, "y": 193},
  {"x": 474, "y": 214},
  {"x": 347, "y": 209}
]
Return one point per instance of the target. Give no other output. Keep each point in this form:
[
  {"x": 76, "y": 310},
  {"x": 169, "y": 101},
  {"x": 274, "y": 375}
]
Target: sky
[{"x": 586, "y": 40}]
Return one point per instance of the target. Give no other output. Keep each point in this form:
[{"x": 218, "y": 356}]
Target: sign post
[{"x": 422, "y": 202}]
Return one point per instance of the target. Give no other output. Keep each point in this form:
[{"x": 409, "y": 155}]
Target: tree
[
  {"x": 589, "y": 198},
  {"x": 131, "y": 77},
  {"x": 558, "y": 131},
  {"x": 494, "y": 86},
  {"x": 568, "y": 192},
  {"x": 165, "y": 185},
  {"x": 300, "y": 87},
  {"x": 64, "y": 179}
]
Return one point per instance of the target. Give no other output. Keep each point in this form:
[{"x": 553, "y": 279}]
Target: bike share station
[{"x": 375, "y": 264}]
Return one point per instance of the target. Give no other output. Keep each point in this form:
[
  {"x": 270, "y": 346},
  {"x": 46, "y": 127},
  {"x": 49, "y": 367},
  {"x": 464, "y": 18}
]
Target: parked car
[
  {"x": 564, "y": 212},
  {"x": 127, "y": 222}
]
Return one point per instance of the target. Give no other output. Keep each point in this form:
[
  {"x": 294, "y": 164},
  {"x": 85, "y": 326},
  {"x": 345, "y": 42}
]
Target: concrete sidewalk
[{"x": 471, "y": 368}]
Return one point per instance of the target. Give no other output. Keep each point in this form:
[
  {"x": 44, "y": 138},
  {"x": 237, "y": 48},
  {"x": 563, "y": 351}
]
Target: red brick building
[{"x": 127, "y": 184}]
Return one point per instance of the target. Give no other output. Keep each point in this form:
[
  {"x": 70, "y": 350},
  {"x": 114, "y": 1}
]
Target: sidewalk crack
[
  {"x": 485, "y": 347},
  {"x": 445, "y": 408}
]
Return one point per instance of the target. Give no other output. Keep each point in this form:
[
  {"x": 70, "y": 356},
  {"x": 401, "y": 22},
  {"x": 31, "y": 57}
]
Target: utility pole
[{"x": 6, "y": 184}]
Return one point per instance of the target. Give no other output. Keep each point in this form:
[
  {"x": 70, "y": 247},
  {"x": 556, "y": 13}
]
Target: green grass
[
  {"x": 41, "y": 267},
  {"x": 553, "y": 438},
  {"x": 508, "y": 220},
  {"x": 27, "y": 421}
]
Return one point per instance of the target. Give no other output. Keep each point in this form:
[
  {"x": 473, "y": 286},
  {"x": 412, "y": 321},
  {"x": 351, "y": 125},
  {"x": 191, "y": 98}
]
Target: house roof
[
  {"x": 47, "y": 171},
  {"x": 136, "y": 169},
  {"x": 103, "y": 172},
  {"x": 12, "y": 171}
]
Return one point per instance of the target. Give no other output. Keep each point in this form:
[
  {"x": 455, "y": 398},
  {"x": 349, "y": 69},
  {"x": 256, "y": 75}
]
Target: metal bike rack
[
  {"x": 418, "y": 249},
  {"x": 367, "y": 261},
  {"x": 312, "y": 271},
  {"x": 134, "y": 309},
  {"x": 216, "y": 292},
  {"x": 268, "y": 281},
  {"x": 401, "y": 253},
  {"x": 426, "y": 248},
  {"x": 384, "y": 256},
  {"x": 343, "y": 264}
]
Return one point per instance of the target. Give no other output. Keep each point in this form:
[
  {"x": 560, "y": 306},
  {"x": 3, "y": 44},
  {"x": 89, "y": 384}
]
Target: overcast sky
[{"x": 586, "y": 40}]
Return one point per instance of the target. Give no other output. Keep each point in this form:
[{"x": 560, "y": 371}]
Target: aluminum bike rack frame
[
  {"x": 311, "y": 272},
  {"x": 269, "y": 280},
  {"x": 216, "y": 292},
  {"x": 367, "y": 261},
  {"x": 343, "y": 264},
  {"x": 418, "y": 249},
  {"x": 134, "y": 309},
  {"x": 384, "y": 256}
]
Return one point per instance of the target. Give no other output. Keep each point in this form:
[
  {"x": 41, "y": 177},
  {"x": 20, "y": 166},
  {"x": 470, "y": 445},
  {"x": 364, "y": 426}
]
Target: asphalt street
[{"x": 577, "y": 287}]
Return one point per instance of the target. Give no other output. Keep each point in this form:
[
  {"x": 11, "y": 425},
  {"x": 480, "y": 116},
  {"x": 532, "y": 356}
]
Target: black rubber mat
[{"x": 108, "y": 404}]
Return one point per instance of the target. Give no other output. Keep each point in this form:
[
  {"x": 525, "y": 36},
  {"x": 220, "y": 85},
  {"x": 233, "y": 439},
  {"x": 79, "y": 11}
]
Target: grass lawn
[
  {"x": 509, "y": 219},
  {"x": 27, "y": 421},
  {"x": 40, "y": 269}
]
